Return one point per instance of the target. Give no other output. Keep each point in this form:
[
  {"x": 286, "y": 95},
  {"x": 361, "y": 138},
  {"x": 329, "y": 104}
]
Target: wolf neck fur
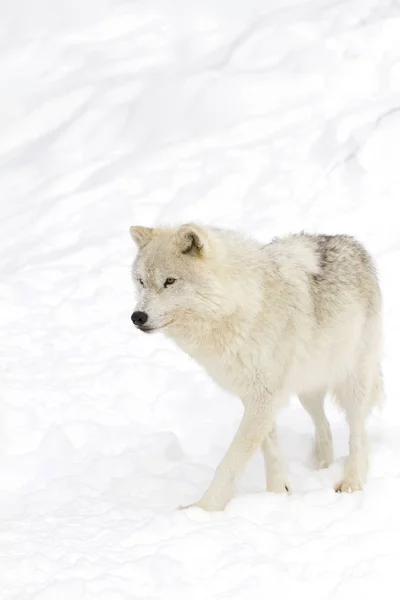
[{"x": 235, "y": 315}]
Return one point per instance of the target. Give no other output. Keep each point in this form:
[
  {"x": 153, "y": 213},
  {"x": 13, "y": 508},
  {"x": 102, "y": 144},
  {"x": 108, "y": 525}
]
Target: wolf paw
[
  {"x": 210, "y": 503},
  {"x": 349, "y": 486},
  {"x": 205, "y": 506},
  {"x": 278, "y": 487},
  {"x": 186, "y": 506}
]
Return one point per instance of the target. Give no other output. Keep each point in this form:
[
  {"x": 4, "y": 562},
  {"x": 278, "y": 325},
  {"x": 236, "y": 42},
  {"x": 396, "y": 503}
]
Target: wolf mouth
[{"x": 149, "y": 329}]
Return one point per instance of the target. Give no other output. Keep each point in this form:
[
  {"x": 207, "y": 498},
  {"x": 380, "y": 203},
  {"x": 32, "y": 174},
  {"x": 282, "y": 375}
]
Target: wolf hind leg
[{"x": 357, "y": 395}]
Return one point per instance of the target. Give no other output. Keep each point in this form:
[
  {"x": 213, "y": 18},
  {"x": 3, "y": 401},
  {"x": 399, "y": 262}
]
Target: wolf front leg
[
  {"x": 253, "y": 427},
  {"x": 275, "y": 470}
]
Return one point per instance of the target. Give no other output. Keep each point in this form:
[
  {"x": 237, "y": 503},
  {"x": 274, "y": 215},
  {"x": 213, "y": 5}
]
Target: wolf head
[{"x": 178, "y": 280}]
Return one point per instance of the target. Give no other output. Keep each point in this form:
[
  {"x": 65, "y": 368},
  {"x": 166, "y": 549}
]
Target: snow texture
[{"x": 264, "y": 116}]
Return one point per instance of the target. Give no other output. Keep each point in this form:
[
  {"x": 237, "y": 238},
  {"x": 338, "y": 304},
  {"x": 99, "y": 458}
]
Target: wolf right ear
[
  {"x": 141, "y": 235},
  {"x": 192, "y": 240}
]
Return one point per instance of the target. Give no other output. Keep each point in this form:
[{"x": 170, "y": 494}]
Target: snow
[{"x": 267, "y": 117}]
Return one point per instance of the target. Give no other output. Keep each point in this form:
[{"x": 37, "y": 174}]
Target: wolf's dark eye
[
  {"x": 169, "y": 281},
  {"x": 141, "y": 281}
]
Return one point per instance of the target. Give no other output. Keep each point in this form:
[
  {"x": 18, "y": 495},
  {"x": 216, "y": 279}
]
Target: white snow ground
[{"x": 267, "y": 116}]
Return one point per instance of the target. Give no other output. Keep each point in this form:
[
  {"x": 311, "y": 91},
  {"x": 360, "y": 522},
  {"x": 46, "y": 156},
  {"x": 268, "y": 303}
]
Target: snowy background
[{"x": 267, "y": 116}]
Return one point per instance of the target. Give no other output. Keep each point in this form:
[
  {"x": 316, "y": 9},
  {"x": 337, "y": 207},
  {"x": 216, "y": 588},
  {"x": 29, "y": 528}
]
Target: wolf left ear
[
  {"x": 192, "y": 240},
  {"x": 141, "y": 235}
]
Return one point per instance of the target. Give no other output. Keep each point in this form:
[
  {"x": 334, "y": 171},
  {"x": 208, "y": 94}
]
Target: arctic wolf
[{"x": 300, "y": 315}]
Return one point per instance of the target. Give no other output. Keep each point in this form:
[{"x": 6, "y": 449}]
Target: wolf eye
[
  {"x": 169, "y": 281},
  {"x": 141, "y": 281}
]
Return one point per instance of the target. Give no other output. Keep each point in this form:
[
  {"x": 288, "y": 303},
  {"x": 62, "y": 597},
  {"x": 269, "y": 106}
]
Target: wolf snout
[{"x": 139, "y": 318}]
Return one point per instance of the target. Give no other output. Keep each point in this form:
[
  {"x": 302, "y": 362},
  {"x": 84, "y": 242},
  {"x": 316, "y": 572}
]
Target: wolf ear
[
  {"x": 192, "y": 240},
  {"x": 141, "y": 235}
]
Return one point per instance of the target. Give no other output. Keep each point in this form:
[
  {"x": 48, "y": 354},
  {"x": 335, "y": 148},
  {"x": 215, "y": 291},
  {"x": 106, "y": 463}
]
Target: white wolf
[{"x": 300, "y": 315}]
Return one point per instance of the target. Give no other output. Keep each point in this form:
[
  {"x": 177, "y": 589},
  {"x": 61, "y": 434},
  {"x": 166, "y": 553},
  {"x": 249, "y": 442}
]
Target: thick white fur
[{"x": 301, "y": 315}]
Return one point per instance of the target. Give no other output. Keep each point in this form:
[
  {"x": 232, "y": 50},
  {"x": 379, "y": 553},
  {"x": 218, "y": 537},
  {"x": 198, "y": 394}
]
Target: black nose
[{"x": 139, "y": 318}]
